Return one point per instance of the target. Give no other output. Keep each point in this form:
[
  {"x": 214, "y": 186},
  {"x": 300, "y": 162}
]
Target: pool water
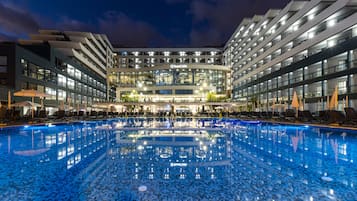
[{"x": 181, "y": 159}]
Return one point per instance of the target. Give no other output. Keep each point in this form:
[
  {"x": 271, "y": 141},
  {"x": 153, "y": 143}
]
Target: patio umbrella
[
  {"x": 42, "y": 104},
  {"x": 25, "y": 104},
  {"x": 301, "y": 104},
  {"x": 9, "y": 100},
  {"x": 30, "y": 93},
  {"x": 334, "y": 99},
  {"x": 295, "y": 103},
  {"x": 346, "y": 104},
  {"x": 61, "y": 106}
]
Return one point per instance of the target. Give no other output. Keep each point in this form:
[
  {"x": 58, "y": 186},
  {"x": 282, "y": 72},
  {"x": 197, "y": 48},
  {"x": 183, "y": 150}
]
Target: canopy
[
  {"x": 25, "y": 104},
  {"x": 30, "y": 93}
]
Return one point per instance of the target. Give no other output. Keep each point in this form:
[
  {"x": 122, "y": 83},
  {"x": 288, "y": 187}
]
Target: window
[
  {"x": 78, "y": 74},
  {"x": 61, "y": 80},
  {"x": 70, "y": 70},
  {"x": 52, "y": 93},
  {"x": 3, "y": 64},
  {"x": 342, "y": 87},
  {"x": 61, "y": 94},
  {"x": 70, "y": 83}
]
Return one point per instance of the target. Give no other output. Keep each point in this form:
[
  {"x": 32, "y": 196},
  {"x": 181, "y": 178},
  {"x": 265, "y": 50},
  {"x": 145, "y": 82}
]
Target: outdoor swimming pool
[{"x": 182, "y": 159}]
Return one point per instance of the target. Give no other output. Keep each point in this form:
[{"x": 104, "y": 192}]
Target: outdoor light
[
  {"x": 331, "y": 23},
  {"x": 331, "y": 43}
]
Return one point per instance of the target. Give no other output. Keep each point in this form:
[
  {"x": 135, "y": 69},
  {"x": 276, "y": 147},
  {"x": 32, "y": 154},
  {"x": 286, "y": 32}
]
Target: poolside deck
[{"x": 47, "y": 121}]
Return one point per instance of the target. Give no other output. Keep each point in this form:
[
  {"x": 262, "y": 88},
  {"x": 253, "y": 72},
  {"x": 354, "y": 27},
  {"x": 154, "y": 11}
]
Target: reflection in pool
[{"x": 182, "y": 159}]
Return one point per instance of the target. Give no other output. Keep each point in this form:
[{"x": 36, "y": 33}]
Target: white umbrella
[
  {"x": 25, "y": 104},
  {"x": 30, "y": 93}
]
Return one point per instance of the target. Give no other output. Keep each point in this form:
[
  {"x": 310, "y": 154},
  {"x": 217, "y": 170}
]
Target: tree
[
  {"x": 132, "y": 97},
  {"x": 211, "y": 97}
]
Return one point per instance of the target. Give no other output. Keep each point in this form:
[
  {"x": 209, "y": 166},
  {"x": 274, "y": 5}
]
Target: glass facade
[
  {"x": 170, "y": 72},
  {"x": 172, "y": 77},
  {"x": 311, "y": 55},
  {"x": 63, "y": 83}
]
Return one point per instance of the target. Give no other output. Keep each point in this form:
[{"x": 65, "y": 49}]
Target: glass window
[
  {"x": 163, "y": 77},
  {"x": 24, "y": 64},
  {"x": 61, "y": 80},
  {"x": 52, "y": 93},
  {"x": 78, "y": 74},
  {"x": 70, "y": 83},
  {"x": 40, "y": 74},
  {"x": 3, "y": 60},
  {"x": 33, "y": 71},
  {"x": 61, "y": 94},
  {"x": 78, "y": 86},
  {"x": 3, "y": 64},
  {"x": 183, "y": 77},
  {"x": 70, "y": 70},
  {"x": 342, "y": 87},
  {"x": 3, "y": 69}
]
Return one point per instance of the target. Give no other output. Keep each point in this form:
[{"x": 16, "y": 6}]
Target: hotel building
[
  {"x": 308, "y": 47},
  {"x": 169, "y": 74},
  {"x": 69, "y": 66}
]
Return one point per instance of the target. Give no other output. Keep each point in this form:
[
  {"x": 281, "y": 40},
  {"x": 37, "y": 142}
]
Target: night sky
[{"x": 134, "y": 23}]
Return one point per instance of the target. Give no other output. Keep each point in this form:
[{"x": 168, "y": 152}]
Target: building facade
[
  {"x": 47, "y": 70},
  {"x": 71, "y": 67},
  {"x": 169, "y": 74},
  {"x": 308, "y": 47},
  {"x": 92, "y": 51}
]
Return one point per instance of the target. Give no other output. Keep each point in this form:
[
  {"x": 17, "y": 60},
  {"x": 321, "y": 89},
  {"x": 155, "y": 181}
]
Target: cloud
[
  {"x": 16, "y": 22},
  {"x": 125, "y": 31},
  {"x": 69, "y": 24},
  {"x": 5, "y": 37},
  {"x": 219, "y": 18}
]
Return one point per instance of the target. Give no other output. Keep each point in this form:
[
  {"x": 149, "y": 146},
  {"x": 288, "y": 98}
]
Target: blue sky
[{"x": 134, "y": 23}]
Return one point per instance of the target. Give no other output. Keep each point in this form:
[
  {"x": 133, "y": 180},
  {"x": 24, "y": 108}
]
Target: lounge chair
[
  {"x": 306, "y": 116},
  {"x": 289, "y": 115},
  {"x": 351, "y": 115},
  {"x": 334, "y": 116}
]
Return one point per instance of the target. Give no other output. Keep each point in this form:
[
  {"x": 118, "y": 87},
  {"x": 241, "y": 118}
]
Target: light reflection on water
[{"x": 182, "y": 159}]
